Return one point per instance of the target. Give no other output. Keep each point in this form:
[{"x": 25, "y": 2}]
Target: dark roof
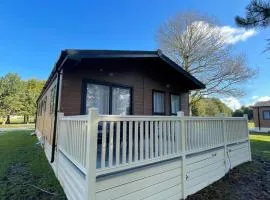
[
  {"x": 76, "y": 54},
  {"x": 262, "y": 104}
]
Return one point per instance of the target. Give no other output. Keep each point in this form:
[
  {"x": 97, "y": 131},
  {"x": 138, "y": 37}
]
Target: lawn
[
  {"x": 251, "y": 124},
  {"x": 24, "y": 170},
  {"x": 27, "y": 126}
]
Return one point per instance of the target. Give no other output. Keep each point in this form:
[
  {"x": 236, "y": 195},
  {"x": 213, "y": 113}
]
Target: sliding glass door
[{"x": 109, "y": 99}]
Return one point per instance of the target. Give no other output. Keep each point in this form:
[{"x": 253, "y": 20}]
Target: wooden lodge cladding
[
  {"x": 45, "y": 112},
  {"x": 149, "y": 82},
  {"x": 141, "y": 84},
  {"x": 261, "y": 115}
]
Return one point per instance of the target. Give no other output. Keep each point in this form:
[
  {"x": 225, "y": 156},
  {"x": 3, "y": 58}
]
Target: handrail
[{"x": 101, "y": 145}]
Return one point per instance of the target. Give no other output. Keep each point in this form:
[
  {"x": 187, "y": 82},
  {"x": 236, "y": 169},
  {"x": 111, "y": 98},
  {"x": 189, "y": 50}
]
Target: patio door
[{"x": 109, "y": 99}]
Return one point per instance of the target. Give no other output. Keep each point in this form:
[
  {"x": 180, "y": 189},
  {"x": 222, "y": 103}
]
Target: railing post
[
  {"x": 224, "y": 133},
  {"x": 60, "y": 115},
  {"x": 183, "y": 150},
  {"x": 249, "y": 149},
  {"x": 91, "y": 154}
]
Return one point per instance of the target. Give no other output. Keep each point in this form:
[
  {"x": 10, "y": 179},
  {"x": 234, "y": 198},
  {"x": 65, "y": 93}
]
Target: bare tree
[{"x": 199, "y": 46}]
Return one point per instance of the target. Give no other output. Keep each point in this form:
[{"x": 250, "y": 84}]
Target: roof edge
[
  {"x": 180, "y": 69},
  {"x": 69, "y": 53}
]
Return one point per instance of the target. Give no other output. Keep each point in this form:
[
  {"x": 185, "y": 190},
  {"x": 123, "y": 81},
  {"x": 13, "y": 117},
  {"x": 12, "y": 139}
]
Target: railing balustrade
[
  {"x": 130, "y": 141},
  {"x": 103, "y": 144}
]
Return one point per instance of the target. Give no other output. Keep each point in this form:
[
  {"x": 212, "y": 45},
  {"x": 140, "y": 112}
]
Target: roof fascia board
[
  {"x": 51, "y": 77},
  {"x": 181, "y": 70},
  {"x": 114, "y": 56}
]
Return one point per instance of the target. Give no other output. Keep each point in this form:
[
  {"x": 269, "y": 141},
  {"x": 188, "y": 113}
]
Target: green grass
[
  {"x": 260, "y": 146},
  {"x": 23, "y": 166},
  {"x": 17, "y": 119},
  {"x": 31, "y": 125},
  {"x": 251, "y": 124}
]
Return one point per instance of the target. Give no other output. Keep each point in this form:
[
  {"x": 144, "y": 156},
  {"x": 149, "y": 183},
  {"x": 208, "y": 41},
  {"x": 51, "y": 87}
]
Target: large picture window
[
  {"x": 120, "y": 101},
  {"x": 175, "y": 104},
  {"x": 266, "y": 114},
  {"x": 158, "y": 103},
  {"x": 108, "y": 99}
]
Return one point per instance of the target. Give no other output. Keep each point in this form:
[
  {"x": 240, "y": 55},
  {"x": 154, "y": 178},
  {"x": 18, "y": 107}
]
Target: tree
[
  {"x": 257, "y": 15},
  {"x": 11, "y": 94},
  {"x": 243, "y": 110},
  {"x": 210, "y": 107},
  {"x": 195, "y": 42},
  {"x": 32, "y": 89}
]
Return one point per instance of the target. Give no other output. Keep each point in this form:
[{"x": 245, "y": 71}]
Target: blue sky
[{"x": 34, "y": 32}]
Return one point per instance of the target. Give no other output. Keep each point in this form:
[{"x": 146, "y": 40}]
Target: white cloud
[
  {"x": 235, "y": 104},
  {"x": 255, "y": 99},
  {"x": 232, "y": 103},
  {"x": 264, "y": 98},
  {"x": 233, "y": 35}
]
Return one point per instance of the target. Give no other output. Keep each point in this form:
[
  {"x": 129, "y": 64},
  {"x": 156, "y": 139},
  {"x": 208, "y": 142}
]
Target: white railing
[
  {"x": 104, "y": 144},
  {"x": 130, "y": 141},
  {"x": 72, "y": 133}
]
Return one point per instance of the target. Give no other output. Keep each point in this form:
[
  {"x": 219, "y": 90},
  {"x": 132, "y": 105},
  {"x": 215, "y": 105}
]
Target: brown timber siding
[
  {"x": 45, "y": 122},
  {"x": 141, "y": 83},
  {"x": 263, "y": 123}
]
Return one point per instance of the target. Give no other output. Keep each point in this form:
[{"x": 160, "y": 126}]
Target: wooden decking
[{"x": 146, "y": 157}]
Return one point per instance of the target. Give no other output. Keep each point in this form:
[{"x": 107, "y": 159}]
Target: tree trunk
[
  {"x": 4, "y": 121},
  {"x": 8, "y": 119},
  {"x": 27, "y": 119},
  {"x": 24, "y": 119}
]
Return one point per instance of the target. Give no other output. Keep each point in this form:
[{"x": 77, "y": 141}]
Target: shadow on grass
[{"x": 24, "y": 169}]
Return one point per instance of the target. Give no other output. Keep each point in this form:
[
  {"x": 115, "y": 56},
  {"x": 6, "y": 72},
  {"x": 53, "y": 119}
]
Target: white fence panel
[
  {"x": 146, "y": 157},
  {"x": 72, "y": 139}
]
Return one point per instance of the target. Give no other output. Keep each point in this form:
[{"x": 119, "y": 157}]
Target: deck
[{"x": 146, "y": 157}]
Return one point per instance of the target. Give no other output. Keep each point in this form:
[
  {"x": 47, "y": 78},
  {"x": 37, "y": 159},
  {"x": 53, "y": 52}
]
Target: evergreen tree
[
  {"x": 243, "y": 110},
  {"x": 257, "y": 15}
]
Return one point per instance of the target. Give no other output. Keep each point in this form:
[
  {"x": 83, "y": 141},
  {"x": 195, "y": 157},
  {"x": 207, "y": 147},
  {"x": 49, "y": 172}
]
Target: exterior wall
[
  {"x": 263, "y": 123},
  {"x": 45, "y": 118},
  {"x": 141, "y": 83}
]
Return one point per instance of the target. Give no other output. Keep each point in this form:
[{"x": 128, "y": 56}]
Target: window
[
  {"x": 158, "y": 102},
  {"x": 266, "y": 114},
  {"x": 98, "y": 97},
  {"x": 45, "y": 104},
  {"x": 52, "y": 100},
  {"x": 175, "y": 104},
  {"x": 108, "y": 99},
  {"x": 120, "y": 101}
]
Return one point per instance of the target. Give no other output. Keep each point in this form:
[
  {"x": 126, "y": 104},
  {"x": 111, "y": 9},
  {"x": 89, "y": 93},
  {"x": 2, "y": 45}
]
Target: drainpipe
[
  {"x": 36, "y": 117},
  {"x": 57, "y": 107},
  {"x": 259, "y": 119}
]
